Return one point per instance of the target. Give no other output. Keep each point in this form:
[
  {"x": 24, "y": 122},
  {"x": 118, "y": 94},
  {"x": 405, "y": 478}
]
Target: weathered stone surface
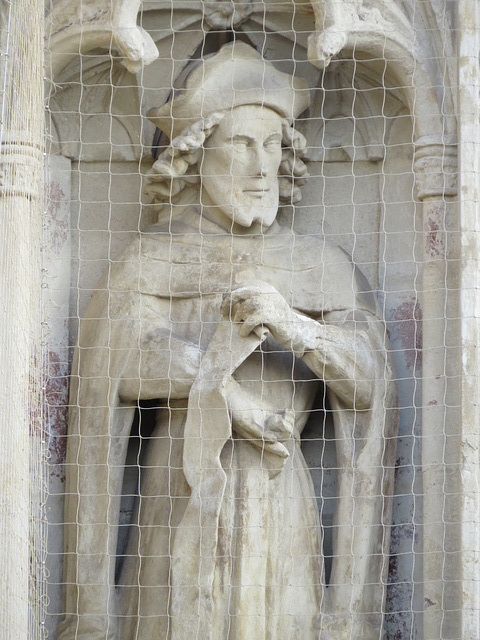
[
  {"x": 234, "y": 324},
  {"x": 369, "y": 167}
]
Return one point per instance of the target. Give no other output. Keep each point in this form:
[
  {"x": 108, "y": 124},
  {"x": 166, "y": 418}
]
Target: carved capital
[
  {"x": 20, "y": 167},
  {"x": 435, "y": 166},
  {"x": 227, "y": 14}
]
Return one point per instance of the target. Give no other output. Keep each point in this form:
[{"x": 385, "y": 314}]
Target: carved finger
[
  {"x": 270, "y": 446},
  {"x": 229, "y": 303},
  {"x": 277, "y": 449},
  {"x": 248, "y": 430},
  {"x": 243, "y": 311},
  {"x": 250, "y": 324},
  {"x": 226, "y": 306},
  {"x": 243, "y": 293},
  {"x": 281, "y": 425}
]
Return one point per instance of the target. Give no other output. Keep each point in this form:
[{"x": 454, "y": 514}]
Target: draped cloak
[{"x": 128, "y": 339}]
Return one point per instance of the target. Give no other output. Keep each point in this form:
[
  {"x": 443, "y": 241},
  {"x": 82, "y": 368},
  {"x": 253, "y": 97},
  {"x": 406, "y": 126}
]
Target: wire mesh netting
[{"x": 248, "y": 301}]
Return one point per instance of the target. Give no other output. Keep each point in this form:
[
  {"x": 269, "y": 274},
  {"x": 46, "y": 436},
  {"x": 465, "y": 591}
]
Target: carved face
[{"x": 239, "y": 170}]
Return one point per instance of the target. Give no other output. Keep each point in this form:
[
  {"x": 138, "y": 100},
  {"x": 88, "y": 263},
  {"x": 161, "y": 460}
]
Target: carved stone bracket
[
  {"x": 341, "y": 24},
  {"x": 134, "y": 42},
  {"x": 378, "y": 31},
  {"x": 79, "y": 27},
  {"x": 435, "y": 166},
  {"x": 227, "y": 14}
]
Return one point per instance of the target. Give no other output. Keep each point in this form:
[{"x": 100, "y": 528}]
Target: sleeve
[
  {"x": 363, "y": 401},
  {"x": 340, "y": 352},
  {"x": 122, "y": 356}
]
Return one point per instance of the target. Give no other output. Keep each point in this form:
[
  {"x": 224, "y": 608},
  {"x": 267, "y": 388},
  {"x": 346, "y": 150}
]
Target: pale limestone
[
  {"x": 21, "y": 206},
  {"x": 233, "y": 323},
  {"x": 435, "y": 36}
]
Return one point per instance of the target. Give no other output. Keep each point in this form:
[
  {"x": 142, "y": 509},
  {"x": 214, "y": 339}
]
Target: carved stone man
[{"x": 233, "y": 325}]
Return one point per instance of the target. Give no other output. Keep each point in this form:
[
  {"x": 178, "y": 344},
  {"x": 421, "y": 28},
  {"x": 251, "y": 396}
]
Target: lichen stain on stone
[
  {"x": 434, "y": 244},
  {"x": 401, "y": 532},
  {"x": 398, "y": 618},
  {"x": 98, "y": 16},
  {"x": 400, "y": 466},
  {"x": 56, "y": 399},
  {"x": 57, "y": 223},
  {"x": 406, "y": 329},
  {"x": 403, "y": 631},
  {"x": 34, "y": 382}
]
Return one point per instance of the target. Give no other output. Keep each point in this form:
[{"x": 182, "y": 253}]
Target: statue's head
[{"x": 231, "y": 132}]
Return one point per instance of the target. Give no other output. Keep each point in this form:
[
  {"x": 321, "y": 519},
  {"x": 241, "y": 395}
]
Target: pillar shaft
[
  {"x": 468, "y": 18},
  {"x": 436, "y": 173},
  {"x": 21, "y": 202}
]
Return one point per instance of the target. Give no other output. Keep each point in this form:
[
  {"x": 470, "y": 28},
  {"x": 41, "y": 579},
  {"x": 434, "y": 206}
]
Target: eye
[
  {"x": 272, "y": 144},
  {"x": 240, "y": 144}
]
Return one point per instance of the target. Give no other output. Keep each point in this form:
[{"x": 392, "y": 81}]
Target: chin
[{"x": 247, "y": 216}]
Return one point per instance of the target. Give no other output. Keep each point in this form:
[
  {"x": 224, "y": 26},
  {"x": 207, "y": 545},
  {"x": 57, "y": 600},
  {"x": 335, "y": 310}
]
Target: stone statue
[{"x": 233, "y": 325}]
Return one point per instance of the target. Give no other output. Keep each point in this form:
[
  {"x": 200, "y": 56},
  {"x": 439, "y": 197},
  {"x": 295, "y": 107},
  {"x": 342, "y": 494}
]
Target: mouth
[{"x": 256, "y": 193}]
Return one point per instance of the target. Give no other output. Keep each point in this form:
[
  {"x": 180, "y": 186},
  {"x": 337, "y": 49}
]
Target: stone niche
[{"x": 360, "y": 195}]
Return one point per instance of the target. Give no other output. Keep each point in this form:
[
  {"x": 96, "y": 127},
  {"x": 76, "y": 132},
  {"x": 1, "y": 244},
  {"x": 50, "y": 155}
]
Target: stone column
[
  {"x": 468, "y": 23},
  {"x": 435, "y": 165},
  {"x": 21, "y": 203}
]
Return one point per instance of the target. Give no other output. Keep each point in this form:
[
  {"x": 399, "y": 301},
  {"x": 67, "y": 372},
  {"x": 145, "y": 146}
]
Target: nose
[{"x": 259, "y": 164}]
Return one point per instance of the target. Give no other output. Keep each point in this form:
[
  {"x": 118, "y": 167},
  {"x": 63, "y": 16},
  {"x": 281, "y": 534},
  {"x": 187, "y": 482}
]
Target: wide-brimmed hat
[{"x": 235, "y": 76}]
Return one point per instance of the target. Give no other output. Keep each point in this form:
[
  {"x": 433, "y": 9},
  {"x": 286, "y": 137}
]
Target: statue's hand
[
  {"x": 255, "y": 426},
  {"x": 255, "y": 304},
  {"x": 281, "y": 424}
]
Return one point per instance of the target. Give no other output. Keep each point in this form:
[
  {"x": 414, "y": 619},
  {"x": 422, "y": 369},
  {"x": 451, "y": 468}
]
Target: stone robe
[{"x": 226, "y": 541}]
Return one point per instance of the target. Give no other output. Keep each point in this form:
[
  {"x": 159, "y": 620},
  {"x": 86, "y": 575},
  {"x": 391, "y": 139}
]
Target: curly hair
[{"x": 177, "y": 165}]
